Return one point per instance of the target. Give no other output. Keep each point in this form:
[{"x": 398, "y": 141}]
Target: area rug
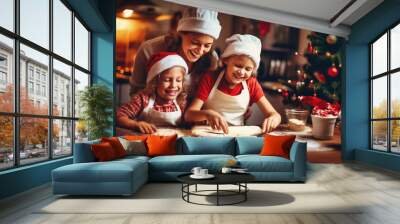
[{"x": 166, "y": 198}]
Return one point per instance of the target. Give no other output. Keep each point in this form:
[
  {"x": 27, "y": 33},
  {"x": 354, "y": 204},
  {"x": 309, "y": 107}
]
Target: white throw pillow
[{"x": 133, "y": 147}]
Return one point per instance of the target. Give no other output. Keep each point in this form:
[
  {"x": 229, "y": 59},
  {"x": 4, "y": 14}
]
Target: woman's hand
[
  {"x": 216, "y": 121},
  {"x": 146, "y": 128},
  {"x": 271, "y": 122}
]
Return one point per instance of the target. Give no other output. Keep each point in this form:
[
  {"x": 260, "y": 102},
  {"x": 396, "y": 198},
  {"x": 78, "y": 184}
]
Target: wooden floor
[{"x": 379, "y": 190}]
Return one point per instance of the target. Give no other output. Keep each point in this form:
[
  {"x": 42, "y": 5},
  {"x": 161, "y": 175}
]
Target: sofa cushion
[
  {"x": 206, "y": 145},
  {"x": 277, "y": 145},
  {"x": 130, "y": 158},
  {"x": 257, "y": 163},
  {"x": 103, "y": 152},
  {"x": 185, "y": 163},
  {"x": 112, "y": 171},
  {"x": 116, "y": 144},
  {"x": 83, "y": 153},
  {"x": 134, "y": 147},
  {"x": 161, "y": 145},
  {"x": 249, "y": 145}
]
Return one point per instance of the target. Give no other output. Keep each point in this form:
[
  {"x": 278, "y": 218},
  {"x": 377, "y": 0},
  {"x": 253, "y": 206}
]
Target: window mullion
[
  {"x": 371, "y": 89},
  {"x": 50, "y": 81},
  {"x": 16, "y": 69},
  {"x": 73, "y": 82}
]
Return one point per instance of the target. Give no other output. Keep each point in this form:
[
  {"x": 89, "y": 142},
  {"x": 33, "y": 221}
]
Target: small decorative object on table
[
  {"x": 296, "y": 119},
  {"x": 231, "y": 165},
  {"x": 323, "y": 116}
]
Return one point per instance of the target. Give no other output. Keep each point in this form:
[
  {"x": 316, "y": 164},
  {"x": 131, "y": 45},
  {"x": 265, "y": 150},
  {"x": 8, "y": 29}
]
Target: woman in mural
[
  {"x": 224, "y": 96},
  {"x": 196, "y": 33},
  {"x": 162, "y": 101}
]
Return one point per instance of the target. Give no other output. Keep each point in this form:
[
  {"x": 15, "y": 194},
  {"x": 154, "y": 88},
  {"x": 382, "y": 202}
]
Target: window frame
[
  {"x": 388, "y": 74},
  {"x": 16, "y": 114}
]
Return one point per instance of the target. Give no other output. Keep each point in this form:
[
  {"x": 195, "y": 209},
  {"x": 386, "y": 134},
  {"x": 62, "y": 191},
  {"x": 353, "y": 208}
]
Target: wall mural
[{"x": 197, "y": 72}]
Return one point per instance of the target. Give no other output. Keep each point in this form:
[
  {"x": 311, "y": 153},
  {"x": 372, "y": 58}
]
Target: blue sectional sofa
[{"x": 125, "y": 176}]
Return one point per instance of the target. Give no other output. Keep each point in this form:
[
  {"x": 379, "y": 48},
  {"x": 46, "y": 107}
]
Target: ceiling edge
[{"x": 269, "y": 15}]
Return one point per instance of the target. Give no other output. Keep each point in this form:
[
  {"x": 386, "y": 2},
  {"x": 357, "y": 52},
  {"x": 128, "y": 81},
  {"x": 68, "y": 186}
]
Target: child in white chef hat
[
  {"x": 223, "y": 97},
  {"x": 163, "y": 101}
]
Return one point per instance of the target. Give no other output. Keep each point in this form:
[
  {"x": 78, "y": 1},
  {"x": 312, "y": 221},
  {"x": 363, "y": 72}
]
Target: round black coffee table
[{"x": 238, "y": 179}]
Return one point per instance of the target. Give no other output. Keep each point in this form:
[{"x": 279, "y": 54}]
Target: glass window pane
[
  {"x": 81, "y": 81},
  {"x": 33, "y": 139},
  {"x": 35, "y": 21},
  {"x": 62, "y": 89},
  {"x": 81, "y": 45},
  {"x": 379, "y": 135},
  {"x": 6, "y": 74},
  {"x": 34, "y": 80},
  {"x": 395, "y": 95},
  {"x": 379, "y": 98},
  {"x": 395, "y": 136},
  {"x": 62, "y": 29},
  {"x": 62, "y": 141},
  {"x": 379, "y": 56},
  {"x": 6, "y": 142},
  {"x": 81, "y": 131},
  {"x": 395, "y": 47},
  {"x": 7, "y": 14}
]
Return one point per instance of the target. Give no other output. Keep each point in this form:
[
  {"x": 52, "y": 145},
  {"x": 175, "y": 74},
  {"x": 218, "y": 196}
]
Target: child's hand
[
  {"x": 271, "y": 123},
  {"x": 216, "y": 121},
  {"x": 145, "y": 127}
]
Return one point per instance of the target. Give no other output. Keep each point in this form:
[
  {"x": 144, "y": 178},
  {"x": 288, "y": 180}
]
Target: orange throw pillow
[
  {"x": 161, "y": 145},
  {"x": 277, "y": 145},
  {"x": 135, "y": 137},
  {"x": 103, "y": 152},
  {"x": 116, "y": 145}
]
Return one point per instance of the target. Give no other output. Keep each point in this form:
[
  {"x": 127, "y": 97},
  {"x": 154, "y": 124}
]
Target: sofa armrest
[
  {"x": 83, "y": 152},
  {"x": 298, "y": 155}
]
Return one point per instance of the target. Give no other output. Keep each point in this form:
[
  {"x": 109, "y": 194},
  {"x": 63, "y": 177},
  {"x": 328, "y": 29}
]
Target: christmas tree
[{"x": 320, "y": 76}]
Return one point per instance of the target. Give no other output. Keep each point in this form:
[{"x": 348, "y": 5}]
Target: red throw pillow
[
  {"x": 161, "y": 145},
  {"x": 277, "y": 145},
  {"x": 103, "y": 152},
  {"x": 116, "y": 145},
  {"x": 135, "y": 137}
]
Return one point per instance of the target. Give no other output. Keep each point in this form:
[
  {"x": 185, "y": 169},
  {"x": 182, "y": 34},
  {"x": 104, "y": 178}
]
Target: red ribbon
[{"x": 320, "y": 106}]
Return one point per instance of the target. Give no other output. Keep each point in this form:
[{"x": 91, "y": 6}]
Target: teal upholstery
[
  {"x": 207, "y": 145},
  {"x": 249, "y": 145},
  {"x": 298, "y": 155},
  {"x": 83, "y": 152},
  {"x": 119, "y": 177},
  {"x": 125, "y": 176},
  {"x": 259, "y": 163},
  {"x": 180, "y": 164}
]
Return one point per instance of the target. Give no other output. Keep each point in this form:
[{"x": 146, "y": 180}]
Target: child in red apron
[
  {"x": 162, "y": 101},
  {"x": 224, "y": 97}
]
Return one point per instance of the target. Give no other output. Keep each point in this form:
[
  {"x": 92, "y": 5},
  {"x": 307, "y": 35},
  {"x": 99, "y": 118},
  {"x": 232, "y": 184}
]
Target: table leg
[
  {"x": 217, "y": 194},
  {"x": 245, "y": 191},
  {"x": 196, "y": 188}
]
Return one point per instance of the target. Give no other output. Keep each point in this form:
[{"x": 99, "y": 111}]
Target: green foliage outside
[{"x": 96, "y": 102}]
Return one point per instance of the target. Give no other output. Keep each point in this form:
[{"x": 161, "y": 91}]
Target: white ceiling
[{"x": 315, "y": 15}]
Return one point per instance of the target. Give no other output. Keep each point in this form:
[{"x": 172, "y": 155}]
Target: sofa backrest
[
  {"x": 206, "y": 145},
  {"x": 249, "y": 145},
  {"x": 83, "y": 153}
]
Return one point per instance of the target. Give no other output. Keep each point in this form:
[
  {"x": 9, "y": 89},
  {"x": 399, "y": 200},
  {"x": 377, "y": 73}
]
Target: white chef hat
[
  {"x": 200, "y": 21},
  {"x": 163, "y": 61},
  {"x": 243, "y": 44}
]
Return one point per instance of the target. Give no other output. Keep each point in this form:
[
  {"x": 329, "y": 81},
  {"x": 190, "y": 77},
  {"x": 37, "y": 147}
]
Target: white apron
[
  {"x": 232, "y": 108},
  {"x": 160, "y": 118}
]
